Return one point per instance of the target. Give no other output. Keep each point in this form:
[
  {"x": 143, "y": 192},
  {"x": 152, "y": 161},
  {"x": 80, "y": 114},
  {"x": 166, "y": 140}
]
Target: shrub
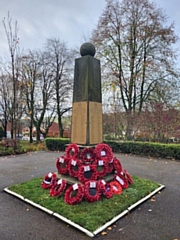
[
  {"x": 147, "y": 149},
  {"x": 56, "y": 144}
]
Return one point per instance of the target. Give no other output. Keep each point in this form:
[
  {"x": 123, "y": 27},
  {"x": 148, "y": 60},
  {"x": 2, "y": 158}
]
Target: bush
[
  {"x": 158, "y": 150},
  {"x": 146, "y": 149},
  {"x": 56, "y": 144}
]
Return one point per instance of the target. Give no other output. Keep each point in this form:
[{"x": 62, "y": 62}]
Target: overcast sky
[{"x": 70, "y": 20}]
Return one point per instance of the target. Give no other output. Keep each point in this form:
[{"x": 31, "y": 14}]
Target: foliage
[
  {"x": 10, "y": 146},
  {"x": 130, "y": 147},
  {"x": 22, "y": 147},
  {"x": 135, "y": 47},
  {"x": 30, "y": 147},
  {"x": 146, "y": 149},
  {"x": 56, "y": 144},
  {"x": 97, "y": 211},
  {"x": 2, "y": 133},
  {"x": 158, "y": 122}
]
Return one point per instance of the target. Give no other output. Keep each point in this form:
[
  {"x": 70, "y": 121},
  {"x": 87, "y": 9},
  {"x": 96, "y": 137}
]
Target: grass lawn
[{"x": 90, "y": 216}]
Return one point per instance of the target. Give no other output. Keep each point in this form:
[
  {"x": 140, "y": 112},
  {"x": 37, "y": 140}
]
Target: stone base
[
  {"x": 72, "y": 180},
  {"x": 82, "y": 146}
]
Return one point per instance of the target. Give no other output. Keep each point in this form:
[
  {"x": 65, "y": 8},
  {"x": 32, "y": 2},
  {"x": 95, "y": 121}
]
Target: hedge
[
  {"x": 56, "y": 144},
  {"x": 157, "y": 150}
]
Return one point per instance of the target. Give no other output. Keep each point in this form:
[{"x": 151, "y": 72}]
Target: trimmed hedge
[
  {"x": 56, "y": 144},
  {"x": 158, "y": 150}
]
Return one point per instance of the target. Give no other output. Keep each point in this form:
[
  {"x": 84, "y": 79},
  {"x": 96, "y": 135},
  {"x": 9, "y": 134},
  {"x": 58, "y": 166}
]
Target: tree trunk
[{"x": 61, "y": 130}]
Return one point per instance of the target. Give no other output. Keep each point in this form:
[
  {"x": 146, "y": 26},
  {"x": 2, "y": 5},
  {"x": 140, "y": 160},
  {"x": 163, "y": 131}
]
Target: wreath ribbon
[{"x": 121, "y": 180}]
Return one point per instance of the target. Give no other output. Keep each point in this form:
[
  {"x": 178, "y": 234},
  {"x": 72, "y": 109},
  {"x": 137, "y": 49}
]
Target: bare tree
[
  {"x": 5, "y": 86},
  {"x": 136, "y": 48},
  {"x": 29, "y": 78},
  {"x": 45, "y": 106},
  {"x": 13, "y": 41},
  {"x": 60, "y": 60}
]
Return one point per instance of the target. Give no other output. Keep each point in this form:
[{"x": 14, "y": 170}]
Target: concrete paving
[{"x": 152, "y": 220}]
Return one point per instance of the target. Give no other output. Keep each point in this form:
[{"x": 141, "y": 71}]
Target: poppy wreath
[
  {"x": 74, "y": 194},
  {"x": 88, "y": 155},
  {"x": 87, "y": 172},
  {"x": 110, "y": 166},
  {"x": 62, "y": 164},
  {"x": 72, "y": 150},
  {"x": 49, "y": 180},
  {"x": 57, "y": 188},
  {"x": 105, "y": 188},
  {"x": 117, "y": 166},
  {"x": 92, "y": 191},
  {"x": 121, "y": 180},
  {"x": 115, "y": 187},
  {"x": 102, "y": 150},
  {"x": 73, "y": 167},
  {"x": 128, "y": 177},
  {"x": 103, "y": 164}
]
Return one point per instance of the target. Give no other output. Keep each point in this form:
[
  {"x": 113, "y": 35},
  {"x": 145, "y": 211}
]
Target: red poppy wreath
[
  {"x": 121, "y": 180},
  {"x": 105, "y": 188},
  {"x": 49, "y": 180},
  {"x": 128, "y": 177},
  {"x": 92, "y": 191},
  {"x": 102, "y": 150},
  {"x": 58, "y": 188},
  {"x": 72, "y": 150},
  {"x": 74, "y": 194},
  {"x": 73, "y": 167},
  {"x": 62, "y": 164},
  {"x": 117, "y": 166},
  {"x": 101, "y": 167},
  {"x": 87, "y": 172},
  {"x": 115, "y": 187},
  {"x": 88, "y": 155},
  {"x": 110, "y": 166}
]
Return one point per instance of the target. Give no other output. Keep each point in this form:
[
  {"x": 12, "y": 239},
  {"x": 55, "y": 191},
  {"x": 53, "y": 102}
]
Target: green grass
[{"x": 88, "y": 215}]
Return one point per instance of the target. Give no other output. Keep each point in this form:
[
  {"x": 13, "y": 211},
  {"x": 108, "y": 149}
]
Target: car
[
  {"x": 19, "y": 136},
  {"x": 25, "y": 138}
]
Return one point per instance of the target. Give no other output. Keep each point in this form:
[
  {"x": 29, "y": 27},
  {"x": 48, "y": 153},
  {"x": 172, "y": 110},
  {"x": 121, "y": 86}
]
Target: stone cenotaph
[{"x": 86, "y": 126}]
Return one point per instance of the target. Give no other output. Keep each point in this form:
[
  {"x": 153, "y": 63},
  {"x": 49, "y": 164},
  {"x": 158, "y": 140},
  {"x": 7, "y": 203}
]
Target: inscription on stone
[
  {"x": 95, "y": 122},
  {"x": 79, "y": 123}
]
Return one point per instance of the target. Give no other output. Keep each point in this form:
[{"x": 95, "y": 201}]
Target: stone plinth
[{"x": 86, "y": 126}]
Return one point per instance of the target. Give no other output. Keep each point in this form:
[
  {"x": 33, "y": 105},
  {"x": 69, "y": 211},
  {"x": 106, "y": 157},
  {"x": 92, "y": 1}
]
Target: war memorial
[{"x": 88, "y": 171}]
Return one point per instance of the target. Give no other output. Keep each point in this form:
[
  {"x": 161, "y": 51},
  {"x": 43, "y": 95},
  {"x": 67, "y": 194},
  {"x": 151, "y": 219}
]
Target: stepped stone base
[{"x": 72, "y": 180}]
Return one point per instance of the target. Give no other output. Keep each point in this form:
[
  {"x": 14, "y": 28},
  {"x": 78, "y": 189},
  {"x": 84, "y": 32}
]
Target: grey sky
[{"x": 69, "y": 20}]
